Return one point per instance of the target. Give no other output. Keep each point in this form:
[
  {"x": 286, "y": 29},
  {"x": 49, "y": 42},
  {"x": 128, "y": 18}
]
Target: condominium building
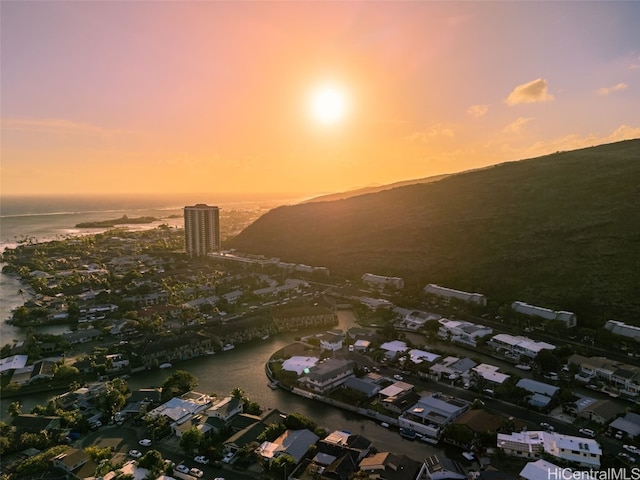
[{"x": 201, "y": 229}]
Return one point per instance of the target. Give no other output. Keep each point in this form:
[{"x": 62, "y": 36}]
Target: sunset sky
[{"x": 217, "y": 96}]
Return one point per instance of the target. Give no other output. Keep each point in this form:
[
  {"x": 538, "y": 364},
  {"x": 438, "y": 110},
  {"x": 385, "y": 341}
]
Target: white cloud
[
  {"x": 56, "y": 126},
  {"x": 437, "y": 130},
  {"x": 531, "y": 92},
  {"x": 517, "y": 125},
  {"x": 477, "y": 111},
  {"x": 615, "y": 88}
]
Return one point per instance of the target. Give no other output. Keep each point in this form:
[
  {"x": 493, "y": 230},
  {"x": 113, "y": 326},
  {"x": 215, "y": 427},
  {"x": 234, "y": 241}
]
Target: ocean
[{"x": 44, "y": 218}]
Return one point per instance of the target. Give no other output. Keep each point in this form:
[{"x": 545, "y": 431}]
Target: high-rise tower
[{"x": 201, "y": 229}]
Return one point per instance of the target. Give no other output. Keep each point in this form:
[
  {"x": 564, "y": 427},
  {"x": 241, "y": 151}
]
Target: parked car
[
  {"x": 196, "y": 472},
  {"x": 201, "y": 459},
  {"x": 547, "y": 426},
  {"x": 398, "y": 377},
  {"x": 588, "y": 432},
  {"x": 632, "y": 449},
  {"x": 135, "y": 453},
  {"x": 145, "y": 442},
  {"x": 626, "y": 457},
  {"x": 227, "y": 458},
  {"x": 182, "y": 468}
]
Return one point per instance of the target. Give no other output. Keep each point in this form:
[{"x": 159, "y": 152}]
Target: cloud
[
  {"x": 437, "y": 130},
  {"x": 635, "y": 65},
  {"x": 56, "y": 126},
  {"x": 517, "y": 125},
  {"x": 477, "y": 111},
  {"x": 615, "y": 88},
  {"x": 532, "y": 92}
]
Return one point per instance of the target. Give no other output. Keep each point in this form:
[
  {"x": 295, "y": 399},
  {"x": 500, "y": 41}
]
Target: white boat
[
  {"x": 228, "y": 346},
  {"x": 165, "y": 365},
  {"x": 523, "y": 367},
  {"x": 265, "y": 337},
  {"x": 210, "y": 352}
]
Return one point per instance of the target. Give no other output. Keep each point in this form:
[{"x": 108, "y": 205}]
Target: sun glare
[{"x": 328, "y": 104}]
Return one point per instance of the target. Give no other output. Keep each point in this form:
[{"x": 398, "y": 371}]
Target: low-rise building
[
  {"x": 569, "y": 319},
  {"x": 476, "y": 298},
  {"x": 623, "y": 329},
  {"x": 622, "y": 376},
  {"x": 295, "y": 443},
  {"x": 585, "y": 452},
  {"x": 382, "y": 281}
]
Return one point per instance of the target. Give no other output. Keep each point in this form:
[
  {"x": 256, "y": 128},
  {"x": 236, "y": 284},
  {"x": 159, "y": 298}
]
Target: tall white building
[{"x": 201, "y": 229}]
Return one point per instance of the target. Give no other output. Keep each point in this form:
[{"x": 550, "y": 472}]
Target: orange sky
[{"x": 145, "y": 97}]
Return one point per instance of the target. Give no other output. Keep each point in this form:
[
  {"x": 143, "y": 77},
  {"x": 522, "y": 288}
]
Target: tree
[
  {"x": 14, "y": 409},
  {"x": 178, "y": 384},
  {"x": 191, "y": 440},
  {"x": 152, "y": 460},
  {"x": 283, "y": 464}
]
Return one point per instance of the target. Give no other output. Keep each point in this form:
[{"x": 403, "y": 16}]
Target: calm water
[{"x": 244, "y": 367}]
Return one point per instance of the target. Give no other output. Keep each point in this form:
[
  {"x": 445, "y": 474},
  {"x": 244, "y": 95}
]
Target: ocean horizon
[
  {"x": 40, "y": 218},
  {"x": 43, "y": 218}
]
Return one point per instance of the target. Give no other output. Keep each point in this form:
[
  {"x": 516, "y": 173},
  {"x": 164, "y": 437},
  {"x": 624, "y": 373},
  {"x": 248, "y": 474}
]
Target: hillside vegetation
[{"x": 560, "y": 231}]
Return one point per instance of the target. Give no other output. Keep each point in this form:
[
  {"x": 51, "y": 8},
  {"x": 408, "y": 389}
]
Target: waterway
[{"x": 244, "y": 367}]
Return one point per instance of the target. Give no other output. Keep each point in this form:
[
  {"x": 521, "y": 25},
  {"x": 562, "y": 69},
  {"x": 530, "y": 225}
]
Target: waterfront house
[
  {"x": 389, "y": 466},
  {"x": 70, "y": 460},
  {"x": 295, "y": 443},
  {"x": 429, "y": 415},
  {"x": 42, "y": 370},
  {"x": 461, "y": 331},
  {"x": 622, "y": 376},
  {"x": 31, "y": 423},
  {"x": 327, "y": 374},
  {"x": 518, "y": 345},
  {"x": 226, "y": 408}
]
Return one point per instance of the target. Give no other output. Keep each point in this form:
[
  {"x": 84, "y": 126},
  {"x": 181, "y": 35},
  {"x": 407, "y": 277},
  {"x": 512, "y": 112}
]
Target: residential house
[
  {"x": 394, "y": 348},
  {"x": 367, "y": 385},
  {"x": 295, "y": 443},
  {"x": 327, "y": 374},
  {"x": 451, "y": 368},
  {"x": 82, "y": 336},
  {"x": 489, "y": 375},
  {"x": 461, "y": 331},
  {"x": 480, "y": 422},
  {"x": 331, "y": 342},
  {"x": 432, "y": 413},
  {"x": 600, "y": 411},
  {"x": 70, "y": 460},
  {"x": 518, "y": 345},
  {"x": 544, "y": 470},
  {"x": 42, "y": 370},
  {"x": 585, "y": 452},
  {"x": 226, "y": 408},
  {"x": 621, "y": 376},
  {"x": 398, "y": 396},
  {"x": 389, "y": 466},
  {"x": 31, "y": 423},
  {"x": 629, "y": 424},
  {"x": 179, "y": 410},
  {"x": 542, "y": 394}
]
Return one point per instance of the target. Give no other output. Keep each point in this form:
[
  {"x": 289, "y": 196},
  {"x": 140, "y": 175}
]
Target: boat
[
  {"x": 265, "y": 337},
  {"x": 523, "y": 367},
  {"x": 210, "y": 352},
  {"x": 165, "y": 365},
  {"x": 228, "y": 346},
  {"x": 273, "y": 386}
]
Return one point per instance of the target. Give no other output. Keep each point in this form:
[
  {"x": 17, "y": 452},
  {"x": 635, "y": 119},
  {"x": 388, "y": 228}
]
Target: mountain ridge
[{"x": 560, "y": 231}]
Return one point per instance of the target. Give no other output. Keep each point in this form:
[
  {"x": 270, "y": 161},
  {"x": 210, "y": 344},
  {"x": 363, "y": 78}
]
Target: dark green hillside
[{"x": 561, "y": 231}]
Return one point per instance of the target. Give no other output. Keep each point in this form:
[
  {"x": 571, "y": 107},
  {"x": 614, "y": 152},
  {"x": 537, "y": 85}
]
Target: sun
[{"x": 328, "y": 104}]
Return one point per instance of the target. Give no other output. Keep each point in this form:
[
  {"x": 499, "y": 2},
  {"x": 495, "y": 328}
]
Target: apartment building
[
  {"x": 201, "y": 229},
  {"x": 568, "y": 318},
  {"x": 476, "y": 298}
]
